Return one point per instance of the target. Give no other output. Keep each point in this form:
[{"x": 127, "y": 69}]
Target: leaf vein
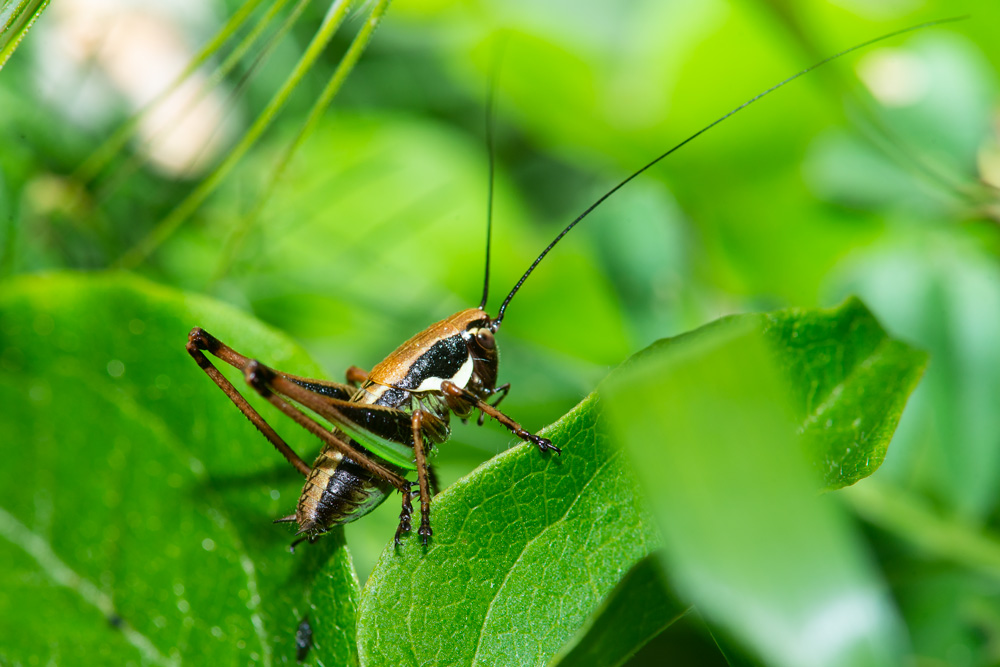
[
  {"x": 39, "y": 549},
  {"x": 513, "y": 566}
]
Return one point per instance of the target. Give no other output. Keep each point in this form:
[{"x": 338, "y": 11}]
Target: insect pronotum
[{"x": 388, "y": 419}]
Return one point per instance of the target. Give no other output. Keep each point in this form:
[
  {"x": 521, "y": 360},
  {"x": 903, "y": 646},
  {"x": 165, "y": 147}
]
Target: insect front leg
[
  {"x": 451, "y": 389},
  {"x": 500, "y": 393}
]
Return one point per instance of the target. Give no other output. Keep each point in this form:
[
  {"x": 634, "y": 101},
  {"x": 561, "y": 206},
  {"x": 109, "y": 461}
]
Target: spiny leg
[
  {"x": 418, "y": 418},
  {"x": 452, "y": 389},
  {"x": 432, "y": 480},
  {"x": 199, "y": 340},
  {"x": 502, "y": 391},
  {"x": 404, "y": 516},
  {"x": 227, "y": 354},
  {"x": 266, "y": 382}
]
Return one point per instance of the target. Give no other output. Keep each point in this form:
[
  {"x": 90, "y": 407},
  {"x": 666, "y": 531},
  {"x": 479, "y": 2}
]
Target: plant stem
[
  {"x": 172, "y": 222},
  {"x": 907, "y": 516},
  {"x": 333, "y": 86}
]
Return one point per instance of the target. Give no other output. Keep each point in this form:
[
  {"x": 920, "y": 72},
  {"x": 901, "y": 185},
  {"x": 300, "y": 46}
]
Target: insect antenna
[
  {"x": 495, "y": 323},
  {"x": 491, "y": 89}
]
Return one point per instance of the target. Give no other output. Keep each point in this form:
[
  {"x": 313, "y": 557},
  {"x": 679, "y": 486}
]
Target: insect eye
[{"x": 485, "y": 339}]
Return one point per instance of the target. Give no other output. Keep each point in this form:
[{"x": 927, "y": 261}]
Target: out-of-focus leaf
[
  {"x": 639, "y": 608},
  {"x": 850, "y": 382},
  {"x": 524, "y": 548},
  {"x": 746, "y": 538},
  {"x": 946, "y": 573},
  {"x": 135, "y": 500},
  {"x": 944, "y": 292},
  {"x": 925, "y": 163},
  {"x": 16, "y": 17}
]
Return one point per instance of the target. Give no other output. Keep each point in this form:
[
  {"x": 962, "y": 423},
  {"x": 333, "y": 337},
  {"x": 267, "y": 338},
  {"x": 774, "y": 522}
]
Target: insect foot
[
  {"x": 425, "y": 533},
  {"x": 543, "y": 444},
  {"x": 404, "y": 516}
]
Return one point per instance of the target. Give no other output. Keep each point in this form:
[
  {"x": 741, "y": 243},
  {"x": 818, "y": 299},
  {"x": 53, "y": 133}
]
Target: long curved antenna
[
  {"x": 503, "y": 307},
  {"x": 491, "y": 91}
]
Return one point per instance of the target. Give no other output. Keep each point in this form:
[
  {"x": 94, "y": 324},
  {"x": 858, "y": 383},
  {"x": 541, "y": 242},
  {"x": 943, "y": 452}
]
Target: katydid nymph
[{"x": 387, "y": 421}]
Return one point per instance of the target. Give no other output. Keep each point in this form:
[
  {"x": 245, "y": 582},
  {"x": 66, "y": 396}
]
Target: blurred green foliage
[{"x": 873, "y": 176}]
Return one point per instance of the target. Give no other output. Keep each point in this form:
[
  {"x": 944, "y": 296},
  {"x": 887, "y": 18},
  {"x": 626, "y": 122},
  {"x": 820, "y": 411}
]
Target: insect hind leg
[
  {"x": 275, "y": 388},
  {"x": 199, "y": 342}
]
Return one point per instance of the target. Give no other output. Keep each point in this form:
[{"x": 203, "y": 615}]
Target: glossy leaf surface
[
  {"x": 135, "y": 500},
  {"x": 524, "y": 548}
]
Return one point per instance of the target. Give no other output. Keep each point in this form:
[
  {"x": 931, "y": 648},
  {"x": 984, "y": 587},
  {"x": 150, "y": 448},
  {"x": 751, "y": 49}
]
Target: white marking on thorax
[
  {"x": 372, "y": 393},
  {"x": 461, "y": 378}
]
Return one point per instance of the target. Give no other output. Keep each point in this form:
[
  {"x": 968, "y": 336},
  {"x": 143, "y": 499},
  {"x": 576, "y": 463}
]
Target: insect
[{"x": 388, "y": 420}]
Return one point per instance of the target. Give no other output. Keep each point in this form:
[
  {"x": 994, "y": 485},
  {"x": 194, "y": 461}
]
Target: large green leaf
[
  {"x": 135, "y": 500},
  {"x": 524, "y": 548},
  {"x": 638, "y": 609},
  {"x": 527, "y": 545},
  {"x": 849, "y": 383}
]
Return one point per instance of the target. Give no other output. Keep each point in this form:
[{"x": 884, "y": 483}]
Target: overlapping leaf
[{"x": 526, "y": 546}]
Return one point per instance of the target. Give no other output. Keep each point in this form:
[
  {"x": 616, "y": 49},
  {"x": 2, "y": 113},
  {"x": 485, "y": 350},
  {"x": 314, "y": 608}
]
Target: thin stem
[
  {"x": 172, "y": 222},
  {"x": 333, "y": 86},
  {"x": 104, "y": 153},
  {"x": 123, "y": 173},
  {"x": 906, "y": 516},
  {"x": 16, "y": 24}
]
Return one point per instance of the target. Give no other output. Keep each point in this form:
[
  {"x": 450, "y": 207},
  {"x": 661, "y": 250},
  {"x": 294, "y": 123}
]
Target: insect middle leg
[
  {"x": 356, "y": 376},
  {"x": 418, "y": 420}
]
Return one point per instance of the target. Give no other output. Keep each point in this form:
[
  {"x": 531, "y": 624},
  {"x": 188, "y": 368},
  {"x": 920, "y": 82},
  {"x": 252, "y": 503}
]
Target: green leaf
[
  {"x": 640, "y": 607},
  {"x": 136, "y": 501},
  {"x": 849, "y": 384},
  {"x": 524, "y": 549},
  {"x": 526, "y": 546},
  {"x": 944, "y": 292},
  {"x": 16, "y": 17},
  {"x": 746, "y": 537}
]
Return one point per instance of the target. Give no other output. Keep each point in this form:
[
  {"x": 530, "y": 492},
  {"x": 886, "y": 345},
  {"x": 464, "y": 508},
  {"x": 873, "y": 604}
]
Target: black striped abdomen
[{"x": 339, "y": 491}]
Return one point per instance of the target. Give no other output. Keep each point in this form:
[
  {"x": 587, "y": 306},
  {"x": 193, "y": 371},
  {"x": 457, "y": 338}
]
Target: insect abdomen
[{"x": 339, "y": 491}]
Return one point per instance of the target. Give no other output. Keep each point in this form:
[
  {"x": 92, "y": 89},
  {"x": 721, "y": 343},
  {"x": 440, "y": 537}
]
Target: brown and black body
[
  {"x": 338, "y": 490},
  {"x": 386, "y": 421}
]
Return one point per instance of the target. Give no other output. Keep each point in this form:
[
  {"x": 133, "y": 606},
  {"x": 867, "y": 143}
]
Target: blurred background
[{"x": 876, "y": 175}]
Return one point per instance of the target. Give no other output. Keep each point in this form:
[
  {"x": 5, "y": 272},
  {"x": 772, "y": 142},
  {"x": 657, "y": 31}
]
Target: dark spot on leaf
[{"x": 303, "y": 639}]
